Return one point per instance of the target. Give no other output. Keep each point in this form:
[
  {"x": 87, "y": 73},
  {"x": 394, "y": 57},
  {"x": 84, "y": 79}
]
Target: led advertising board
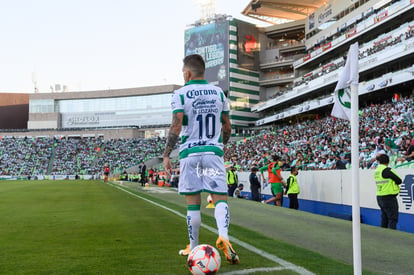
[{"x": 212, "y": 42}]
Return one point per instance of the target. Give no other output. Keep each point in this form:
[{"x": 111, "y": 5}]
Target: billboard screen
[
  {"x": 211, "y": 42},
  {"x": 248, "y": 46}
]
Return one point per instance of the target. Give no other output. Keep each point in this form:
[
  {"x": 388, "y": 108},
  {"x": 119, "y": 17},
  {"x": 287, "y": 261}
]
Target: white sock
[
  {"x": 222, "y": 215},
  {"x": 193, "y": 224}
]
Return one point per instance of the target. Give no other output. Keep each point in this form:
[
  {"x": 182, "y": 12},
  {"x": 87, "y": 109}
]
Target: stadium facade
[
  {"x": 14, "y": 110},
  {"x": 288, "y": 71},
  {"x": 126, "y": 113},
  {"x": 123, "y": 113},
  {"x": 384, "y": 30},
  {"x": 277, "y": 74}
]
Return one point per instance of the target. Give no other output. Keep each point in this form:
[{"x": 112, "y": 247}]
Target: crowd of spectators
[
  {"x": 357, "y": 24},
  {"x": 379, "y": 46},
  {"x": 24, "y": 156},
  {"x": 318, "y": 144},
  {"x": 125, "y": 153},
  {"x": 73, "y": 155},
  {"x": 326, "y": 143},
  {"x": 376, "y": 47},
  {"x": 76, "y": 156}
]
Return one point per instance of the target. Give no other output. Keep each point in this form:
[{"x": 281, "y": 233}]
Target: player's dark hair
[
  {"x": 275, "y": 157},
  {"x": 195, "y": 63}
]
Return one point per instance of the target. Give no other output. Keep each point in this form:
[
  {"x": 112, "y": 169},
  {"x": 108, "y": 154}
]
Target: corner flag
[{"x": 349, "y": 76}]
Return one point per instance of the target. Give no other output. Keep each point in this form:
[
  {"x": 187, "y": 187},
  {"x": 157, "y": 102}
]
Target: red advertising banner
[
  {"x": 382, "y": 40},
  {"x": 326, "y": 46},
  {"x": 308, "y": 75},
  {"x": 381, "y": 16},
  {"x": 352, "y": 32}
]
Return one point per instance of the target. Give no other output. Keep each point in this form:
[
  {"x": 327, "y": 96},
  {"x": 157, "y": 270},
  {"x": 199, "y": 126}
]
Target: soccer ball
[
  {"x": 204, "y": 259},
  {"x": 209, "y": 199}
]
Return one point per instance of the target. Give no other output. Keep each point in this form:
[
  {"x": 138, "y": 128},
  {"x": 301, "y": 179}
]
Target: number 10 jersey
[{"x": 203, "y": 105}]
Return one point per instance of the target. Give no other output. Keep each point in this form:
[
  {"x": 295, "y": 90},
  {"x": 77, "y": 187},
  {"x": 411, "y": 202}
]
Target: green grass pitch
[{"x": 90, "y": 227}]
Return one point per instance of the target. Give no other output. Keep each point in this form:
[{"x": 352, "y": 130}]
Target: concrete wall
[{"x": 330, "y": 193}]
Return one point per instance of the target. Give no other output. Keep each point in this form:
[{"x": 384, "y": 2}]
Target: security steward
[
  {"x": 387, "y": 181},
  {"x": 292, "y": 188},
  {"x": 232, "y": 181}
]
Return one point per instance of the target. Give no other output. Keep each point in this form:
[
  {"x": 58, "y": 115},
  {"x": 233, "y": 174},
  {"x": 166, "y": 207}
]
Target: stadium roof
[
  {"x": 281, "y": 11},
  {"x": 140, "y": 91}
]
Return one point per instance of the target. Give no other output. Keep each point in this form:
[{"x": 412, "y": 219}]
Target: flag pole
[
  {"x": 356, "y": 226},
  {"x": 346, "y": 107}
]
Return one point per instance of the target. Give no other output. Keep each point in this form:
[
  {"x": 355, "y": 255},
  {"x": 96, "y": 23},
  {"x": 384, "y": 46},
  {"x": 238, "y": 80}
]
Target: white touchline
[
  {"x": 254, "y": 270},
  {"x": 264, "y": 254}
]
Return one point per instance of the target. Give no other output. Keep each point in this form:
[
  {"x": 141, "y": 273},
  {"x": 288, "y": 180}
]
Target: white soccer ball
[
  {"x": 209, "y": 199},
  {"x": 204, "y": 259}
]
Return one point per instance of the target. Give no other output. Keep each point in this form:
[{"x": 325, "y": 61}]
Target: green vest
[
  {"x": 293, "y": 185},
  {"x": 385, "y": 186}
]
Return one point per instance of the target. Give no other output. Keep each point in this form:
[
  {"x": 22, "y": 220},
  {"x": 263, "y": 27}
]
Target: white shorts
[{"x": 200, "y": 173}]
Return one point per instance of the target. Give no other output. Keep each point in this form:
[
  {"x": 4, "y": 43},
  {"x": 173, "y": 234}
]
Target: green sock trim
[
  {"x": 220, "y": 201},
  {"x": 193, "y": 207}
]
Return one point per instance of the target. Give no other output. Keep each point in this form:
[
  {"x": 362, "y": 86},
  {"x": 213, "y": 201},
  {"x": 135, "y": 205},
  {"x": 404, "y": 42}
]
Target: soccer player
[
  {"x": 106, "y": 172},
  {"x": 201, "y": 115},
  {"x": 275, "y": 179}
]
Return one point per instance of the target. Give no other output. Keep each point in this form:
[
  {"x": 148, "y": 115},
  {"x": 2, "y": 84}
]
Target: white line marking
[
  {"x": 254, "y": 270},
  {"x": 264, "y": 254}
]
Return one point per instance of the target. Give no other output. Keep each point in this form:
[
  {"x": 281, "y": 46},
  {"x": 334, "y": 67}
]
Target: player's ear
[{"x": 188, "y": 75}]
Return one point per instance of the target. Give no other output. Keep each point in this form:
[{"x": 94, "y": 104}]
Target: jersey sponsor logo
[
  {"x": 206, "y": 171},
  {"x": 198, "y": 143},
  {"x": 201, "y": 103},
  {"x": 201, "y": 106},
  {"x": 194, "y": 93}
]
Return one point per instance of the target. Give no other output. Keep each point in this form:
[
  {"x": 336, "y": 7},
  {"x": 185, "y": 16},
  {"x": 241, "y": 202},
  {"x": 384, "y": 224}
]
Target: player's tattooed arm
[
  {"x": 171, "y": 141},
  {"x": 226, "y": 127},
  {"x": 174, "y": 133}
]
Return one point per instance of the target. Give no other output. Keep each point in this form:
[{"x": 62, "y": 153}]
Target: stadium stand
[
  {"x": 25, "y": 156},
  {"x": 310, "y": 145},
  {"x": 73, "y": 155}
]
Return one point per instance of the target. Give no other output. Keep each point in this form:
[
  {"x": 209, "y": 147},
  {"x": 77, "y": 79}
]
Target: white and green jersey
[{"x": 202, "y": 105}]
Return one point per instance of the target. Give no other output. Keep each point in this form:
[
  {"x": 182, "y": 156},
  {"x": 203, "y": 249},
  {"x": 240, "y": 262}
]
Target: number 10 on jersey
[{"x": 206, "y": 125}]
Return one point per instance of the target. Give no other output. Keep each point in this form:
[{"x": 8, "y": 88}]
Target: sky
[{"x": 92, "y": 45}]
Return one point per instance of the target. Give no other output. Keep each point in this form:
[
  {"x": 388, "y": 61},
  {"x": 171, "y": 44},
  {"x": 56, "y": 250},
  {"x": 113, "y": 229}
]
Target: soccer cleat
[
  {"x": 185, "y": 252},
  {"x": 224, "y": 245}
]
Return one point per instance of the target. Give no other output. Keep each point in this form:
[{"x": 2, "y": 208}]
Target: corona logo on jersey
[
  {"x": 194, "y": 93},
  {"x": 407, "y": 192}
]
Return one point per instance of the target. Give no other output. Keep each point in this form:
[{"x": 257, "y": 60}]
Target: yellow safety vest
[
  {"x": 293, "y": 185},
  {"x": 385, "y": 186},
  {"x": 231, "y": 177}
]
